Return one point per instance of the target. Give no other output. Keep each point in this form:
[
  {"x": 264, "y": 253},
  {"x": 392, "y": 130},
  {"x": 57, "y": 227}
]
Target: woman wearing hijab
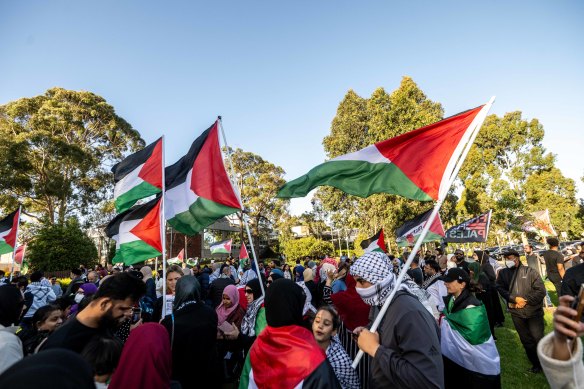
[
  {"x": 83, "y": 297},
  {"x": 11, "y": 305},
  {"x": 192, "y": 328},
  {"x": 285, "y": 355},
  {"x": 496, "y": 311},
  {"x": 254, "y": 320},
  {"x": 404, "y": 348},
  {"x": 58, "y": 368},
  {"x": 147, "y": 302},
  {"x": 229, "y": 318},
  {"x": 146, "y": 360},
  {"x": 481, "y": 287}
]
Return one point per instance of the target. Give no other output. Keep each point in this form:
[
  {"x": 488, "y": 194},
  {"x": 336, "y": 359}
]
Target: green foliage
[
  {"x": 311, "y": 246},
  {"x": 56, "y": 150},
  {"x": 61, "y": 247}
]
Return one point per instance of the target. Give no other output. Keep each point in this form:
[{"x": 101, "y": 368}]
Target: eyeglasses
[{"x": 248, "y": 291}]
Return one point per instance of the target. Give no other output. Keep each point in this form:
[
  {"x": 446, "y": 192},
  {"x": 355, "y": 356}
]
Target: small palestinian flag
[
  {"x": 180, "y": 258},
  {"x": 416, "y": 165},
  {"x": 466, "y": 340},
  {"x": 408, "y": 233},
  {"x": 19, "y": 254},
  {"x": 198, "y": 190},
  {"x": 138, "y": 176},
  {"x": 223, "y": 247},
  {"x": 375, "y": 243},
  {"x": 8, "y": 230},
  {"x": 137, "y": 233}
]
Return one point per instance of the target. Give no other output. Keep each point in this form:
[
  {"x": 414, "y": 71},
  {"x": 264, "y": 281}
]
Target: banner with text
[{"x": 472, "y": 230}]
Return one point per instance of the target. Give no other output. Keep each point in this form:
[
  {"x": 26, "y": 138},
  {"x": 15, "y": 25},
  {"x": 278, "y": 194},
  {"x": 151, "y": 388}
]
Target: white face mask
[
  {"x": 510, "y": 264},
  {"x": 78, "y": 298}
]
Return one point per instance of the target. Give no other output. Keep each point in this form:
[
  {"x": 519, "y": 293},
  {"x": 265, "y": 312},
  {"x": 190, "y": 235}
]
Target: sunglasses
[{"x": 248, "y": 291}]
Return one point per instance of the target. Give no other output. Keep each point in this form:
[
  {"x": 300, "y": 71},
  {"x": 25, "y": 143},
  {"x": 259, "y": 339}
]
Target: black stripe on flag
[
  {"x": 374, "y": 238},
  {"x": 132, "y": 161},
  {"x": 135, "y": 213},
  {"x": 8, "y": 222},
  {"x": 410, "y": 224}
]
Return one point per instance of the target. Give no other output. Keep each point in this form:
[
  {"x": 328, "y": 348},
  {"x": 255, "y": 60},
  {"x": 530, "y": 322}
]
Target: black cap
[
  {"x": 511, "y": 252},
  {"x": 456, "y": 274}
]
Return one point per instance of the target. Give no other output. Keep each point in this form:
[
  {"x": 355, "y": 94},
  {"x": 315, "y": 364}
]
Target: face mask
[
  {"x": 366, "y": 292},
  {"x": 78, "y": 298},
  {"x": 510, "y": 264},
  {"x": 450, "y": 264}
]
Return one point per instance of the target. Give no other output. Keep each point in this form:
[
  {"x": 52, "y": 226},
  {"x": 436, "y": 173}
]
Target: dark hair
[
  {"x": 434, "y": 265},
  {"x": 21, "y": 281},
  {"x": 439, "y": 249},
  {"x": 63, "y": 303},
  {"x": 174, "y": 269},
  {"x": 343, "y": 266},
  {"x": 2, "y": 273},
  {"x": 277, "y": 262},
  {"x": 298, "y": 261},
  {"x": 11, "y": 304},
  {"x": 334, "y": 314},
  {"x": 416, "y": 260},
  {"x": 36, "y": 276},
  {"x": 120, "y": 286},
  {"x": 103, "y": 353},
  {"x": 77, "y": 272},
  {"x": 553, "y": 242},
  {"x": 43, "y": 313}
]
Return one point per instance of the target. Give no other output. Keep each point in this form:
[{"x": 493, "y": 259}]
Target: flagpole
[
  {"x": 16, "y": 242},
  {"x": 163, "y": 232},
  {"x": 442, "y": 195},
  {"x": 244, "y": 216}
]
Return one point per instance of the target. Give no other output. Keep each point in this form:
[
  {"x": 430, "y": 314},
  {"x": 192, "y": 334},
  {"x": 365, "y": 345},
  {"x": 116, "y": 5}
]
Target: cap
[
  {"x": 511, "y": 252},
  {"x": 456, "y": 274}
]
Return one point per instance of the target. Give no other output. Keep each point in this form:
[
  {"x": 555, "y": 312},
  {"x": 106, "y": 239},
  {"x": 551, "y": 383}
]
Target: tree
[
  {"x": 258, "y": 181},
  {"x": 61, "y": 246},
  {"x": 309, "y": 246},
  {"x": 56, "y": 150}
]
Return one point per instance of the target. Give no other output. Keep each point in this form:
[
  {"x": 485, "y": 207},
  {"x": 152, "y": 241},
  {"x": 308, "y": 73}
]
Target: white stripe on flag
[
  {"x": 128, "y": 182},
  {"x": 179, "y": 199},
  {"x": 369, "y": 154}
]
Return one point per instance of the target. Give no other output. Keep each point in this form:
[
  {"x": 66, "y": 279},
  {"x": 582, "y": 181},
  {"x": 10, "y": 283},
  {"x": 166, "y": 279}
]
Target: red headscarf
[
  {"x": 351, "y": 307},
  {"x": 222, "y": 311},
  {"x": 146, "y": 360}
]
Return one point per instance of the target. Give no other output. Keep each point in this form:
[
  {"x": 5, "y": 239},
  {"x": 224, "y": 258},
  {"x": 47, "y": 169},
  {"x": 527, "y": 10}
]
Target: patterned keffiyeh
[
  {"x": 341, "y": 364},
  {"x": 248, "y": 324}
]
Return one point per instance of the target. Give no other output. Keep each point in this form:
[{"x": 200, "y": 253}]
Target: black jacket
[
  {"x": 522, "y": 281},
  {"x": 465, "y": 299}
]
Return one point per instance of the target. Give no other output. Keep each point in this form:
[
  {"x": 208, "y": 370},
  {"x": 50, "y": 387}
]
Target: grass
[{"x": 514, "y": 362}]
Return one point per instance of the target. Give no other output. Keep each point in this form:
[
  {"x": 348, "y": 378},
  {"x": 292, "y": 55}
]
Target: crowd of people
[{"x": 229, "y": 324}]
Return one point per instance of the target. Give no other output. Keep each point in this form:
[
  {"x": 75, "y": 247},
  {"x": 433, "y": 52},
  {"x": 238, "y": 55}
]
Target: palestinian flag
[
  {"x": 415, "y": 165},
  {"x": 137, "y": 233},
  {"x": 19, "y": 254},
  {"x": 223, "y": 247},
  {"x": 8, "y": 231},
  {"x": 408, "y": 233},
  {"x": 467, "y": 341},
  {"x": 180, "y": 258},
  {"x": 375, "y": 243},
  {"x": 138, "y": 176},
  {"x": 243, "y": 255},
  {"x": 306, "y": 365},
  {"x": 198, "y": 190}
]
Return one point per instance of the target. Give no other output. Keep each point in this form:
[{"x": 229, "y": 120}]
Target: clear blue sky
[{"x": 276, "y": 71}]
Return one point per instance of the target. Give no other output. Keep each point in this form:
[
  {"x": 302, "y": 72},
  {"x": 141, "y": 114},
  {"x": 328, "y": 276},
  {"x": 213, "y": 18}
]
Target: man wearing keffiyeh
[{"x": 405, "y": 350}]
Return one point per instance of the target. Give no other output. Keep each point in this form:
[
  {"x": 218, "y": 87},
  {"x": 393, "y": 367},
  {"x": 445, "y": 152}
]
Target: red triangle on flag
[
  {"x": 243, "y": 251},
  {"x": 181, "y": 255},
  {"x": 19, "y": 254},
  {"x": 209, "y": 179},
  {"x": 148, "y": 229},
  {"x": 151, "y": 172},
  {"x": 381, "y": 241}
]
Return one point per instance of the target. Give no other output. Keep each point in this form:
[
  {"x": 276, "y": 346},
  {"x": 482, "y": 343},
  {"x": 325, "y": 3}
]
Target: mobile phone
[
  {"x": 136, "y": 314},
  {"x": 578, "y": 304}
]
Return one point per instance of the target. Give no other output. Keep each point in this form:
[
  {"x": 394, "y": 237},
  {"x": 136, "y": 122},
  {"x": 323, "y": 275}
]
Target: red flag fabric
[{"x": 19, "y": 254}]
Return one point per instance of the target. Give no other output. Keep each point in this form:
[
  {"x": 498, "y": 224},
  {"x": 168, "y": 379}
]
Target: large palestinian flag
[
  {"x": 137, "y": 233},
  {"x": 8, "y": 230},
  {"x": 467, "y": 341},
  {"x": 375, "y": 243},
  {"x": 408, "y": 233},
  {"x": 138, "y": 176},
  {"x": 198, "y": 190},
  {"x": 416, "y": 165}
]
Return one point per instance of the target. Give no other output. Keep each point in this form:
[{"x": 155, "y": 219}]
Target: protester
[
  {"x": 287, "y": 273},
  {"x": 492, "y": 302},
  {"x": 441, "y": 258},
  {"x": 339, "y": 284},
  {"x": 560, "y": 357},
  {"x": 324, "y": 328},
  {"x": 460, "y": 258},
  {"x": 3, "y": 279},
  {"x": 146, "y": 360},
  {"x": 404, "y": 350},
  {"x": 217, "y": 286},
  {"x": 254, "y": 320},
  {"x": 309, "y": 281},
  {"x": 229, "y": 311},
  {"x": 61, "y": 369},
  {"x": 481, "y": 287},
  {"x": 415, "y": 272},
  {"x": 44, "y": 322},
  {"x": 524, "y": 291},
  {"x": 573, "y": 278},
  {"x": 554, "y": 263},
  {"x": 285, "y": 355},
  {"x": 192, "y": 329},
  {"x": 147, "y": 302},
  {"x": 103, "y": 355},
  {"x": 11, "y": 305},
  {"x": 56, "y": 287},
  {"x": 433, "y": 284},
  {"x": 93, "y": 277},
  {"x": 275, "y": 274},
  {"x": 161, "y": 309},
  {"x": 471, "y": 359},
  {"x": 111, "y": 305},
  {"x": 229, "y": 318},
  {"x": 42, "y": 294},
  {"x": 76, "y": 281},
  {"x": 83, "y": 297}
]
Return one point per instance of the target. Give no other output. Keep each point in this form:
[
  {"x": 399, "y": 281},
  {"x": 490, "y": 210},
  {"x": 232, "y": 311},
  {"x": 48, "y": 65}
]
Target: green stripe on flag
[
  {"x": 472, "y": 324},
  {"x": 359, "y": 178},
  {"x": 5, "y": 248},
  {"x": 126, "y": 200},
  {"x": 430, "y": 237},
  {"x": 135, "y": 252},
  {"x": 200, "y": 215}
]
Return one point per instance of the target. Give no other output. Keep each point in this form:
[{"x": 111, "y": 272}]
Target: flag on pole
[
  {"x": 408, "y": 233},
  {"x": 415, "y": 165},
  {"x": 375, "y": 243},
  {"x": 223, "y": 247},
  {"x": 540, "y": 224},
  {"x": 19, "y": 254},
  {"x": 243, "y": 255},
  {"x": 8, "y": 228},
  {"x": 471, "y": 230},
  {"x": 137, "y": 233},
  {"x": 138, "y": 176},
  {"x": 180, "y": 258},
  {"x": 198, "y": 190}
]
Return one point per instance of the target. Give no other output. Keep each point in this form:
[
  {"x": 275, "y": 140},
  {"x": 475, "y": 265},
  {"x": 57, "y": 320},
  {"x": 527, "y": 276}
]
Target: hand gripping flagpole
[
  {"x": 456, "y": 161},
  {"x": 163, "y": 233},
  {"x": 243, "y": 214},
  {"x": 16, "y": 244}
]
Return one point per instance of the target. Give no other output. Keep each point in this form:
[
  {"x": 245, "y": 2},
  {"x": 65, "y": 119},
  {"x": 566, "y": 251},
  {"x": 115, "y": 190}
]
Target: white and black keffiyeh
[
  {"x": 341, "y": 364},
  {"x": 430, "y": 280},
  {"x": 247, "y": 276},
  {"x": 248, "y": 324}
]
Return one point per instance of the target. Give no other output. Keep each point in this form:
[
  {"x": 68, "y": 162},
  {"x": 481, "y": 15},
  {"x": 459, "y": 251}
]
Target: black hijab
[
  {"x": 284, "y": 303},
  {"x": 11, "y": 304},
  {"x": 60, "y": 368},
  {"x": 187, "y": 289},
  {"x": 254, "y": 285}
]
